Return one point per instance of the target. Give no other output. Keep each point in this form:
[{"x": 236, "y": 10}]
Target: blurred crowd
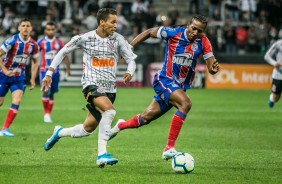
[{"x": 235, "y": 26}]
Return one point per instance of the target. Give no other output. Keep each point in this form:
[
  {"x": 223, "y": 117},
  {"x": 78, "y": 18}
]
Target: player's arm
[
  {"x": 34, "y": 69},
  {"x": 269, "y": 55},
  {"x": 212, "y": 65},
  {"x": 2, "y": 66},
  {"x": 152, "y": 32},
  {"x": 67, "y": 63}
]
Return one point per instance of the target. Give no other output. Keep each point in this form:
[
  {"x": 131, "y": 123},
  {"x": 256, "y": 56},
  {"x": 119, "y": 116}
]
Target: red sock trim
[{"x": 45, "y": 103}]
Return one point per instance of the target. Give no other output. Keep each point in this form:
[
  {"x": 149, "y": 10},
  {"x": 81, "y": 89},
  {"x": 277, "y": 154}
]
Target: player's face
[
  {"x": 25, "y": 29},
  {"x": 110, "y": 26},
  {"x": 195, "y": 29},
  {"x": 50, "y": 31}
]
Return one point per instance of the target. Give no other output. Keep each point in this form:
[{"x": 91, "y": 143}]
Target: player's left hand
[
  {"x": 32, "y": 84},
  {"x": 46, "y": 83},
  {"x": 126, "y": 78}
]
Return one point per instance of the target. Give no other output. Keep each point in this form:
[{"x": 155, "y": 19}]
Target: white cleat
[
  {"x": 47, "y": 118},
  {"x": 115, "y": 130},
  {"x": 168, "y": 154}
]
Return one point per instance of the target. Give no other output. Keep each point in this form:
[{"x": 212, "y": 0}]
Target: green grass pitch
[{"x": 232, "y": 134}]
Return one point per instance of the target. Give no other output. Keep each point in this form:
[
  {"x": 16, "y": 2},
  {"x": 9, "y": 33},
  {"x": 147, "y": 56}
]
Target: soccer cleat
[
  {"x": 53, "y": 139},
  {"x": 270, "y": 104},
  {"x": 6, "y": 133},
  {"x": 105, "y": 159},
  {"x": 168, "y": 154},
  {"x": 115, "y": 130},
  {"x": 47, "y": 118}
]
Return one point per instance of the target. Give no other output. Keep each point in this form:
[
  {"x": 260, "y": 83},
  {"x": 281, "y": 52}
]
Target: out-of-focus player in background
[
  {"x": 184, "y": 46},
  {"x": 101, "y": 50},
  {"x": 49, "y": 46},
  {"x": 18, "y": 49},
  {"x": 274, "y": 57}
]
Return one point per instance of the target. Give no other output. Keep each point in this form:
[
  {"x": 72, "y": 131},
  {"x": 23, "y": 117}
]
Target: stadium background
[{"x": 239, "y": 30}]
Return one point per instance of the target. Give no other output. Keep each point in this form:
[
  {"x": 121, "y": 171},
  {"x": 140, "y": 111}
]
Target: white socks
[
  {"x": 104, "y": 130},
  {"x": 271, "y": 97},
  {"x": 75, "y": 132}
]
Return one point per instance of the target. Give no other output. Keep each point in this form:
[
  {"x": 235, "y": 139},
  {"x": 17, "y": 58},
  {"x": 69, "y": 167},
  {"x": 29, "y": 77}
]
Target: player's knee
[
  {"x": 109, "y": 113},
  {"x": 186, "y": 106}
]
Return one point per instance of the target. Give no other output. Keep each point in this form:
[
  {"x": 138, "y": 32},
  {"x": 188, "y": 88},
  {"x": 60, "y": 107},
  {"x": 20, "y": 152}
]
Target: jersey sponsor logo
[
  {"x": 21, "y": 58},
  {"x": 103, "y": 62},
  {"x": 50, "y": 54},
  {"x": 105, "y": 84},
  {"x": 182, "y": 59}
]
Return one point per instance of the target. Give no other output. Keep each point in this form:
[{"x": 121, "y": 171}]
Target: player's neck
[
  {"x": 101, "y": 32},
  {"x": 24, "y": 37}
]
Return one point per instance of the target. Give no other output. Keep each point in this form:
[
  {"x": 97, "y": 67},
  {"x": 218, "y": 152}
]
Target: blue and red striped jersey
[
  {"x": 181, "y": 55},
  {"x": 48, "y": 48},
  {"x": 18, "y": 52}
]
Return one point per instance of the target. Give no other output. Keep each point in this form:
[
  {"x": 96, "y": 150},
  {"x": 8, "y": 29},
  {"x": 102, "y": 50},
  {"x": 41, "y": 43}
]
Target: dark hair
[
  {"x": 200, "y": 18},
  {"x": 24, "y": 20},
  {"x": 49, "y": 24},
  {"x": 103, "y": 14}
]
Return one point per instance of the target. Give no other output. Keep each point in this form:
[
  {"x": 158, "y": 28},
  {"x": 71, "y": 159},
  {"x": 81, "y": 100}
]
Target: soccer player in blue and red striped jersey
[
  {"x": 184, "y": 45},
  {"x": 49, "y": 46},
  {"x": 18, "y": 49}
]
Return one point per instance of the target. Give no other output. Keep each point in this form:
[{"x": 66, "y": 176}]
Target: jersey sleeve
[
  {"x": 165, "y": 33},
  {"x": 8, "y": 44},
  {"x": 269, "y": 55},
  {"x": 126, "y": 52},
  {"x": 207, "y": 48},
  {"x": 75, "y": 43}
]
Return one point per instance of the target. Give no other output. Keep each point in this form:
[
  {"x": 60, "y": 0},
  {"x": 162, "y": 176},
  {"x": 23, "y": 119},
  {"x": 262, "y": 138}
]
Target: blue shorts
[
  {"x": 11, "y": 83},
  {"x": 164, "y": 87},
  {"x": 55, "y": 81}
]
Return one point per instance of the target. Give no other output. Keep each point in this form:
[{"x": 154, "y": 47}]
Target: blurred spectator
[
  {"x": 91, "y": 6},
  {"x": 230, "y": 38},
  {"x": 139, "y": 6},
  {"x": 241, "y": 38},
  {"x": 249, "y": 8},
  {"x": 42, "y": 8},
  {"x": 214, "y": 8},
  {"x": 262, "y": 38},
  {"x": 194, "y": 6},
  {"x": 22, "y": 7},
  {"x": 151, "y": 17},
  {"x": 173, "y": 14},
  {"x": 91, "y": 21},
  {"x": 123, "y": 26},
  {"x": 232, "y": 7},
  {"x": 106, "y": 4},
  {"x": 8, "y": 21},
  {"x": 272, "y": 34},
  {"x": 252, "y": 39},
  {"x": 76, "y": 15}
]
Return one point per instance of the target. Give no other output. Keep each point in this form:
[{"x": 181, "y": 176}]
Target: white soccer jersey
[
  {"x": 273, "y": 56},
  {"x": 100, "y": 57}
]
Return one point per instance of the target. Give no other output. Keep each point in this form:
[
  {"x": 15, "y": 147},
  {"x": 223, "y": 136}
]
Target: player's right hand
[
  {"x": 9, "y": 73},
  {"x": 46, "y": 83}
]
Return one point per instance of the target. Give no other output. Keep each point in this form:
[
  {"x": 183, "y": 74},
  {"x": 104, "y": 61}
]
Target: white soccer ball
[{"x": 183, "y": 163}]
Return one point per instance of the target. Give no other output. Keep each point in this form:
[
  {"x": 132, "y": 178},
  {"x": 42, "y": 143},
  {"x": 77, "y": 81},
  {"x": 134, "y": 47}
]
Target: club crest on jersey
[
  {"x": 164, "y": 34},
  {"x": 194, "y": 46},
  {"x": 110, "y": 45},
  {"x": 57, "y": 46},
  {"x": 29, "y": 49}
]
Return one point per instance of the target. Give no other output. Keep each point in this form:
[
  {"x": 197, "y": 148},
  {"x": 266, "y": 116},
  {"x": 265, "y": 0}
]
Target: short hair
[
  {"x": 103, "y": 14},
  {"x": 24, "y": 20},
  {"x": 200, "y": 18},
  {"x": 50, "y": 23}
]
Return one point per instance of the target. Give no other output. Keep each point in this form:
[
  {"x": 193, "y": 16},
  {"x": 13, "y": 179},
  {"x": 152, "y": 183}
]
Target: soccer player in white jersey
[
  {"x": 101, "y": 50},
  {"x": 274, "y": 57}
]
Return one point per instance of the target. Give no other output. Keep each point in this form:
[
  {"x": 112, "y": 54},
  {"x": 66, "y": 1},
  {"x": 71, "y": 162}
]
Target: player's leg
[
  {"x": 77, "y": 131},
  {"x": 17, "y": 89},
  {"x": 182, "y": 102},
  {"x": 54, "y": 89},
  {"x": 45, "y": 101},
  {"x": 151, "y": 113},
  {"x": 276, "y": 90}
]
